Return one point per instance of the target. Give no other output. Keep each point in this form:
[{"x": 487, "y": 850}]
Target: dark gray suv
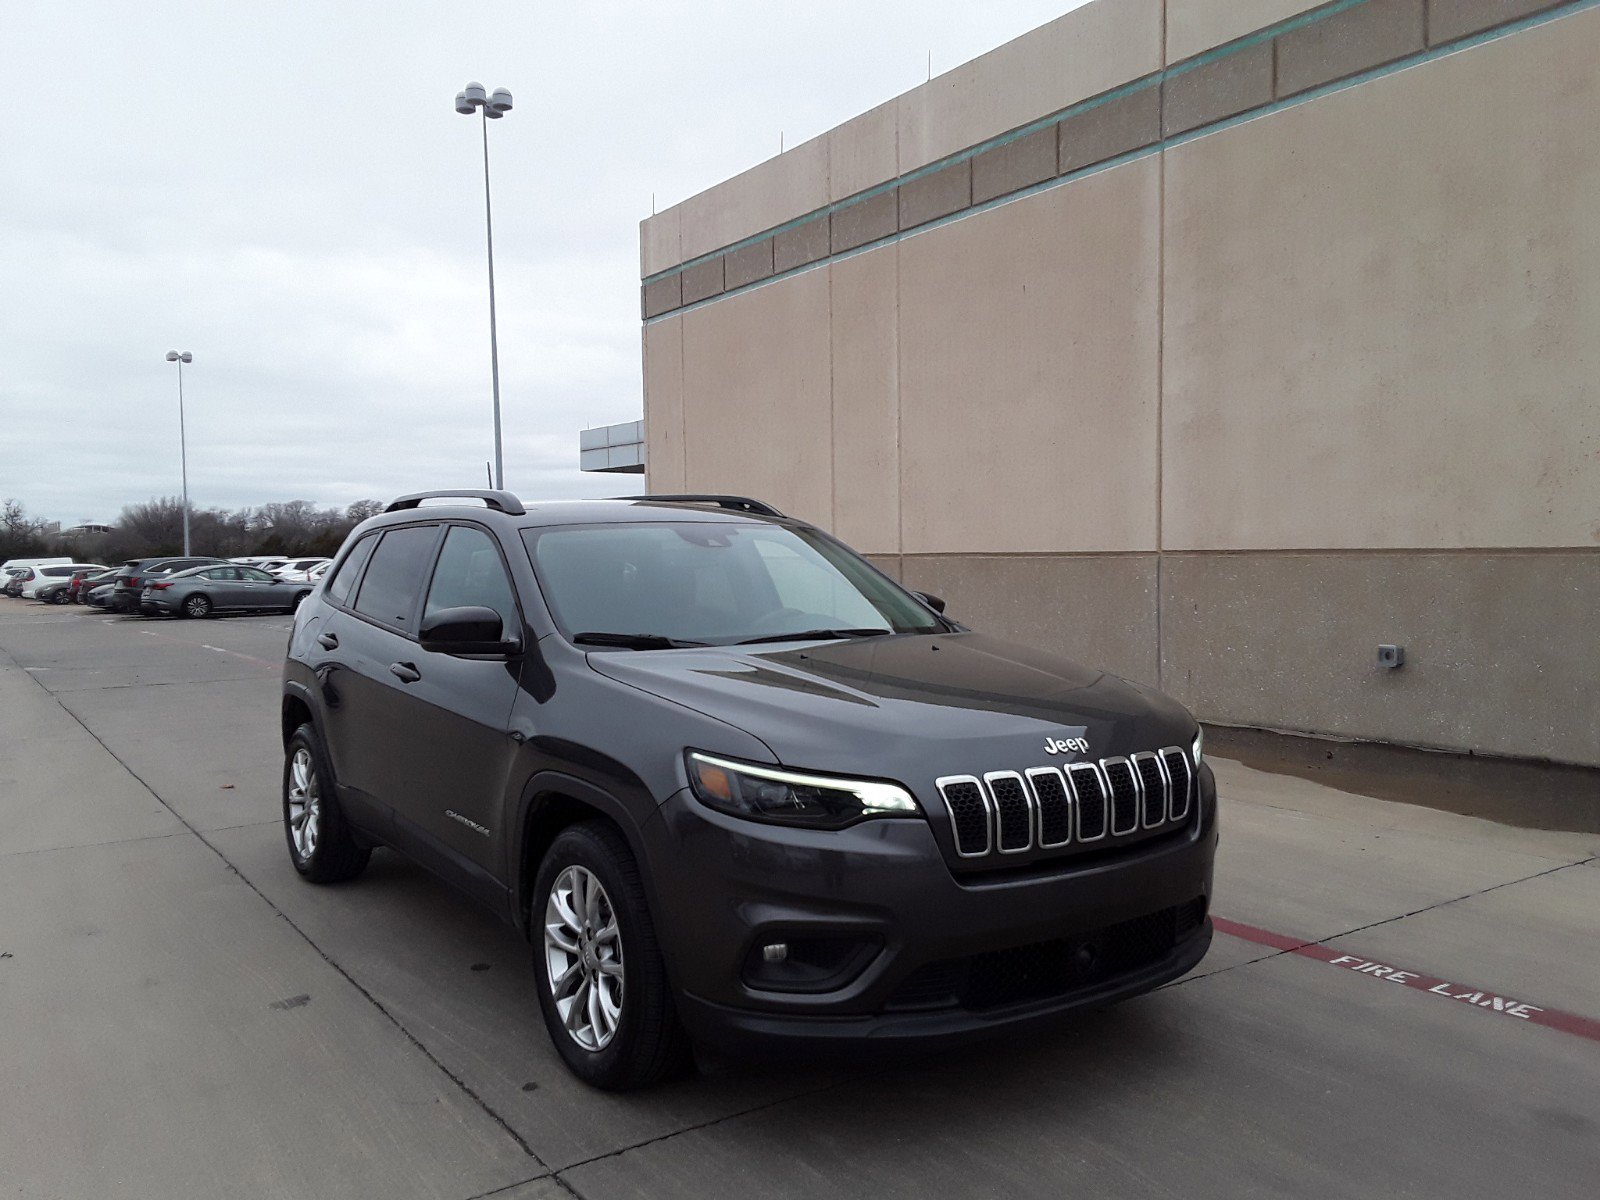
[{"x": 737, "y": 787}]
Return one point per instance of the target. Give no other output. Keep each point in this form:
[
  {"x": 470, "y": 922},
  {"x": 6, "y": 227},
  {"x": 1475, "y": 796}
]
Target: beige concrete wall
[
  {"x": 1501, "y": 656},
  {"x": 1194, "y": 26},
  {"x": 663, "y": 406},
  {"x": 1223, "y": 417},
  {"x": 1080, "y": 54},
  {"x": 1408, "y": 351},
  {"x": 864, "y": 311},
  {"x": 1095, "y": 608},
  {"x": 758, "y": 412},
  {"x": 1028, "y": 358}
]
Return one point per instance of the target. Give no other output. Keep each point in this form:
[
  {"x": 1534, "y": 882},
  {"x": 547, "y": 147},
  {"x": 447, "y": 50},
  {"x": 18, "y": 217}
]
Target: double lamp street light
[
  {"x": 491, "y": 106},
  {"x": 180, "y": 357}
]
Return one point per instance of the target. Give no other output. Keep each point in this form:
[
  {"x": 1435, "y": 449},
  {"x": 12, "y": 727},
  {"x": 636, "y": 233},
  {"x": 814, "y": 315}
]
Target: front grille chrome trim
[
  {"x": 1179, "y": 797},
  {"x": 1144, "y": 799},
  {"x": 1029, "y": 812},
  {"x": 943, "y": 784},
  {"x": 1036, "y": 773},
  {"x": 1106, "y": 766},
  {"x": 1101, "y": 798}
]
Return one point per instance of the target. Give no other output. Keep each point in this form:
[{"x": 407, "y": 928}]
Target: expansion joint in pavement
[
  {"x": 1322, "y": 941},
  {"x": 461, "y": 1084},
  {"x": 726, "y": 1117}
]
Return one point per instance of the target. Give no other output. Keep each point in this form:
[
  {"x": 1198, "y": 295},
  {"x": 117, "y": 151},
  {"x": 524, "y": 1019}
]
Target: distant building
[{"x": 615, "y": 448}]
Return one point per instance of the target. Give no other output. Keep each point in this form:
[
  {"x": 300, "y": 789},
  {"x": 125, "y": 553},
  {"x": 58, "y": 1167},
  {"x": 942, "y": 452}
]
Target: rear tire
[
  {"x": 642, "y": 1043},
  {"x": 197, "y": 606},
  {"x": 299, "y": 599},
  {"x": 321, "y": 845}
]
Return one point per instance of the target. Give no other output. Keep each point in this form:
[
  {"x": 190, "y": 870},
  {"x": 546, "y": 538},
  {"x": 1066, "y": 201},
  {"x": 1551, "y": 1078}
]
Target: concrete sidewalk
[{"x": 156, "y": 1019}]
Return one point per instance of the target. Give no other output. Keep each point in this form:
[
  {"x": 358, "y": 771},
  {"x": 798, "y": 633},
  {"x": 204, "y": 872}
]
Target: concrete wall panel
[
  {"x": 757, "y": 396},
  {"x": 663, "y": 406},
  {"x": 863, "y": 152},
  {"x": 1492, "y": 661},
  {"x": 1407, "y": 354},
  {"x": 777, "y": 190},
  {"x": 660, "y": 246},
  {"x": 1081, "y": 54},
  {"x": 1196, "y": 25},
  {"x": 1097, "y": 609},
  {"x": 1028, "y": 363},
  {"x": 866, "y": 395}
]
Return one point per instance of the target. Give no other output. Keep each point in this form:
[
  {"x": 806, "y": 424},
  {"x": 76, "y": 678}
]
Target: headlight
[
  {"x": 793, "y": 797},
  {"x": 1199, "y": 742}
]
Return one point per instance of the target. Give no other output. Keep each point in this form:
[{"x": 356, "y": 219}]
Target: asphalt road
[{"x": 1406, "y": 1003}]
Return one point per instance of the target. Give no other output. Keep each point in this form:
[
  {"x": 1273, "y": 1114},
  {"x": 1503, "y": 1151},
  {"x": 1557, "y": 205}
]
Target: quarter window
[
  {"x": 470, "y": 572},
  {"x": 394, "y": 576},
  {"x": 350, "y": 570}
]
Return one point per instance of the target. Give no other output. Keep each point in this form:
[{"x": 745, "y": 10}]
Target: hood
[{"x": 908, "y": 707}]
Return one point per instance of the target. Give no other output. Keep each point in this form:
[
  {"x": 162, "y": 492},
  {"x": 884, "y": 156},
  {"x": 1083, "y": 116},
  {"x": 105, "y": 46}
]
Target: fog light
[{"x": 808, "y": 964}]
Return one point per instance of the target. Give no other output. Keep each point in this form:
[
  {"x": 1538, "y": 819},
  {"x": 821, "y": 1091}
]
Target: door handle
[
  {"x": 328, "y": 641},
  {"x": 405, "y": 672}
]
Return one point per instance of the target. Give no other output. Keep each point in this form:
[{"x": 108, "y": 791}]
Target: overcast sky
[{"x": 285, "y": 190}]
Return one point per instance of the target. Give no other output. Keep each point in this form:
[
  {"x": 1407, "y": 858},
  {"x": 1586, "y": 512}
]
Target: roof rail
[
  {"x": 499, "y": 501},
  {"x": 734, "y": 503}
]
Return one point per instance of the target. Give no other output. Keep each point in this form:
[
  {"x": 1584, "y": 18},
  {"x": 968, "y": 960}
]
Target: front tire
[
  {"x": 602, "y": 982},
  {"x": 321, "y": 845}
]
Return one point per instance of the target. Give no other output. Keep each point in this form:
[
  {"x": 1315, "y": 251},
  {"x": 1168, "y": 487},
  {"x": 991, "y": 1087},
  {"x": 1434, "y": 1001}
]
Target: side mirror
[
  {"x": 472, "y": 629},
  {"x": 934, "y": 602}
]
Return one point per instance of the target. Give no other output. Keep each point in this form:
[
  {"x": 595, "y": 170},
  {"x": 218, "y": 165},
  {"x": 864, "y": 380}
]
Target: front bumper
[{"x": 725, "y": 887}]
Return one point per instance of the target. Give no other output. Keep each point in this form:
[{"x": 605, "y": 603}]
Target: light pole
[
  {"x": 181, "y": 357},
  {"x": 492, "y": 107}
]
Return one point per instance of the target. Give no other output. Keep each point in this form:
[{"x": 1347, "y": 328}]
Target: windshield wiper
[
  {"x": 813, "y": 635},
  {"x": 632, "y": 641}
]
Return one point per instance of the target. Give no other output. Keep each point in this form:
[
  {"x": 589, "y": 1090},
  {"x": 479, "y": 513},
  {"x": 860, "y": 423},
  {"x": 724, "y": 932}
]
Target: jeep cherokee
[{"x": 736, "y": 786}]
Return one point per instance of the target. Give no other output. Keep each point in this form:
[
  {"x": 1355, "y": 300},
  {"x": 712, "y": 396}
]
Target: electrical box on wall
[{"x": 1390, "y": 657}]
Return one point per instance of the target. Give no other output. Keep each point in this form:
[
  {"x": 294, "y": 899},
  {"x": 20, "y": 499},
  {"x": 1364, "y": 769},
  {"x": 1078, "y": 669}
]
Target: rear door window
[
  {"x": 339, "y": 587},
  {"x": 396, "y": 575}
]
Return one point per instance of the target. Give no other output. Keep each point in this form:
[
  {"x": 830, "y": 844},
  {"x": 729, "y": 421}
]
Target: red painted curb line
[{"x": 1550, "y": 1018}]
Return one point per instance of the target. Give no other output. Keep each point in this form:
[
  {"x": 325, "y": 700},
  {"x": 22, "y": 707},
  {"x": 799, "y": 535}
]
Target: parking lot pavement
[{"x": 181, "y": 1016}]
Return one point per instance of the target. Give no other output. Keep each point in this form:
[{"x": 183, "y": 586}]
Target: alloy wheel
[
  {"x": 583, "y": 955},
  {"x": 197, "y": 606},
  {"x": 305, "y": 803}
]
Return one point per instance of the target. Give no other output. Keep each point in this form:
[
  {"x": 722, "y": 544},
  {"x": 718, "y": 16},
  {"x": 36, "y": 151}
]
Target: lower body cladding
[{"x": 780, "y": 939}]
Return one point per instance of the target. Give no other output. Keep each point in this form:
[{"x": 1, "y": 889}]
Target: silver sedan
[{"x": 204, "y": 591}]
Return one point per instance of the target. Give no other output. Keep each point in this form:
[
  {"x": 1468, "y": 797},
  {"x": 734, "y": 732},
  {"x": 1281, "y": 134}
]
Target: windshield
[{"x": 714, "y": 583}]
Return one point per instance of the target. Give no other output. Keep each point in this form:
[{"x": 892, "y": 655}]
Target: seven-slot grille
[{"x": 1008, "y": 812}]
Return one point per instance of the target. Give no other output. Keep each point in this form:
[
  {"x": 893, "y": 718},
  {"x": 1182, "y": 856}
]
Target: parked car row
[{"x": 178, "y": 587}]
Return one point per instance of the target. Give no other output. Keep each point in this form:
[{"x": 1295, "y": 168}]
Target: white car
[
  {"x": 12, "y": 564},
  {"x": 265, "y": 562},
  {"x": 298, "y": 570},
  {"x": 53, "y": 573}
]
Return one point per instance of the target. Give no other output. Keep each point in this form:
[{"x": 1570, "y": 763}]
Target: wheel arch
[
  {"x": 552, "y": 801},
  {"x": 297, "y": 710}
]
